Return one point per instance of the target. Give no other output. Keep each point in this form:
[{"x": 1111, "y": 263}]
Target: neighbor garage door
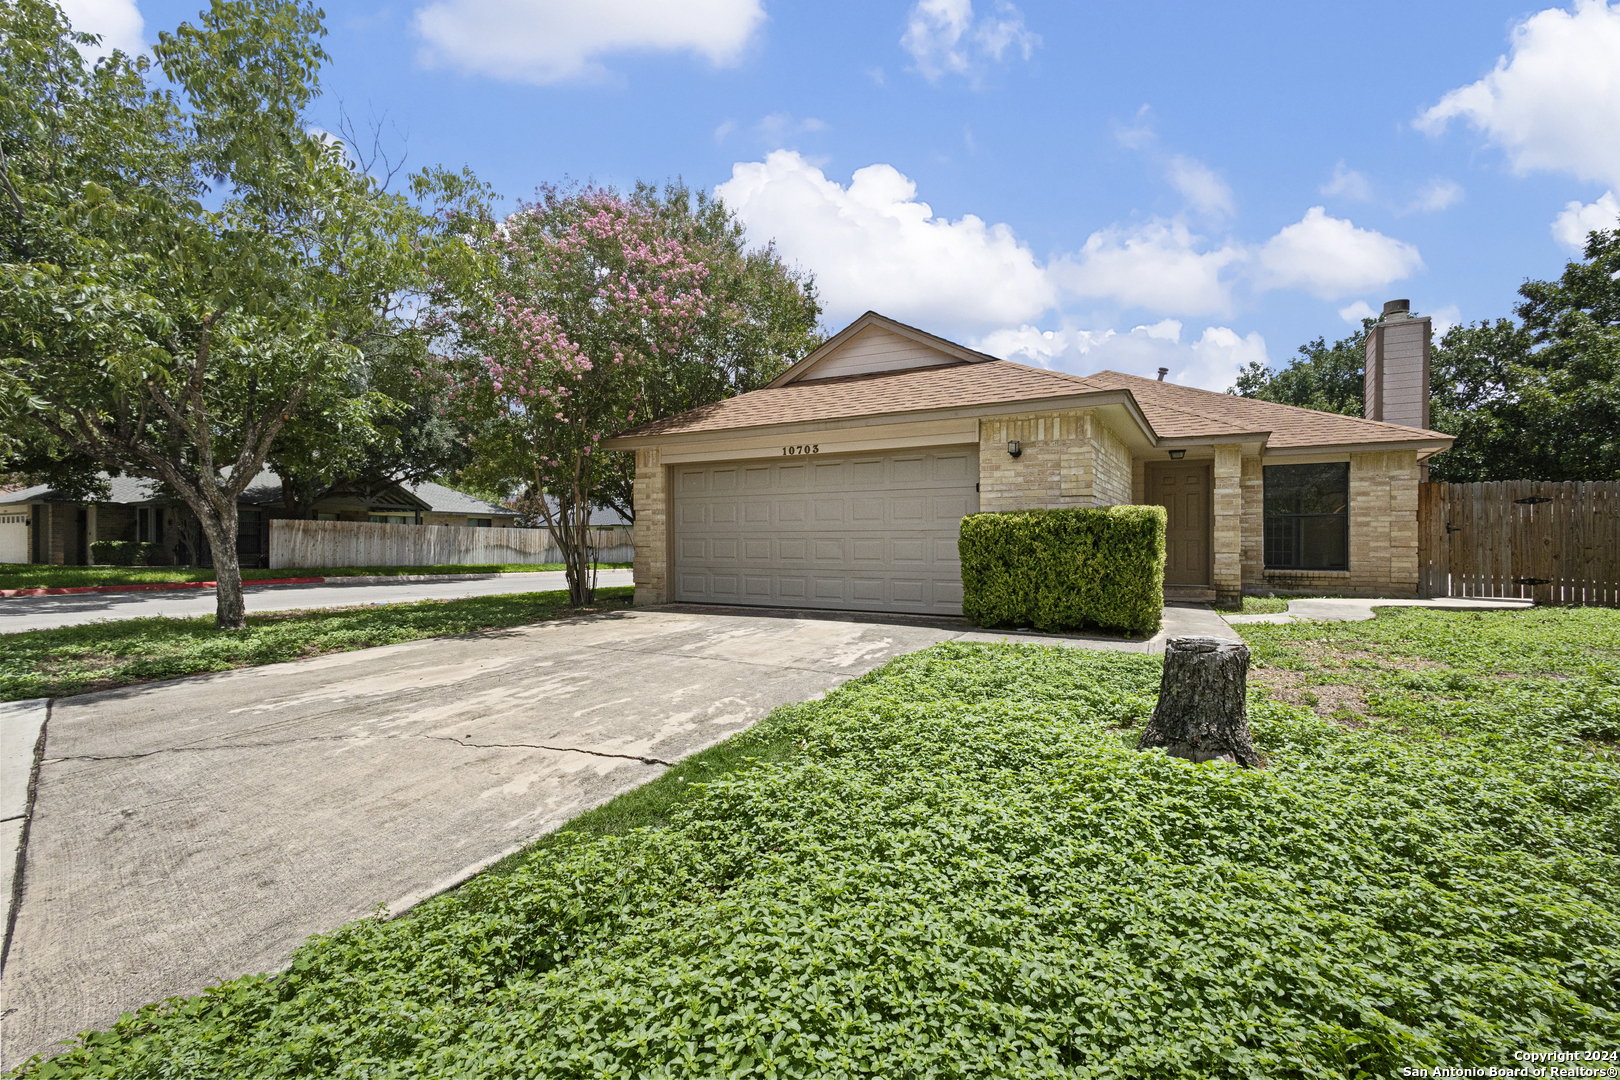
[{"x": 860, "y": 532}]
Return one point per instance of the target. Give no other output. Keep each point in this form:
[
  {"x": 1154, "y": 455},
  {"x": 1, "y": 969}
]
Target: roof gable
[{"x": 875, "y": 344}]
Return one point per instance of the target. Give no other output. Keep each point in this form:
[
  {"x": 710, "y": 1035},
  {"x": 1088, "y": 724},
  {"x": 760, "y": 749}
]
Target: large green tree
[
  {"x": 589, "y": 311},
  {"x": 1321, "y": 376},
  {"x": 188, "y": 266},
  {"x": 1533, "y": 399}
]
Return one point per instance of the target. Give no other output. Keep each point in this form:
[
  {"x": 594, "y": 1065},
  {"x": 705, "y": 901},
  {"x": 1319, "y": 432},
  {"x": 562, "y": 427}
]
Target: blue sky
[{"x": 1082, "y": 186}]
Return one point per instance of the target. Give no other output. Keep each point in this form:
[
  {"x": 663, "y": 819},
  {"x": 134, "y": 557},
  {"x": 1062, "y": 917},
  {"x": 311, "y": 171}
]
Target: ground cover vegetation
[
  {"x": 103, "y": 655},
  {"x": 189, "y": 263},
  {"x": 1057, "y": 570},
  {"x": 1536, "y": 399},
  {"x": 957, "y": 865},
  {"x": 46, "y": 576}
]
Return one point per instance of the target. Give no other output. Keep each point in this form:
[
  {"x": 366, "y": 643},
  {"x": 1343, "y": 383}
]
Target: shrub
[
  {"x": 127, "y": 553},
  {"x": 1065, "y": 569}
]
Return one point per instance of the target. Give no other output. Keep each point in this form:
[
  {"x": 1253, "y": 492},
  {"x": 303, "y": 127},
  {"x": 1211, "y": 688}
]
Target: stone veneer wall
[
  {"x": 1383, "y": 531},
  {"x": 651, "y": 501},
  {"x": 1228, "y": 530},
  {"x": 1069, "y": 459}
]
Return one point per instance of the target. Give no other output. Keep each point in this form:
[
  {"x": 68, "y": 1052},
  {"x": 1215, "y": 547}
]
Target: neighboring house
[
  {"x": 842, "y": 484},
  {"x": 38, "y": 525}
]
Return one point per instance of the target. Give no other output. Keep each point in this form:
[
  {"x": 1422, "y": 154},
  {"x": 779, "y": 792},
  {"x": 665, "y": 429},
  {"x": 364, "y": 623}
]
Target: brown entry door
[{"x": 1184, "y": 491}]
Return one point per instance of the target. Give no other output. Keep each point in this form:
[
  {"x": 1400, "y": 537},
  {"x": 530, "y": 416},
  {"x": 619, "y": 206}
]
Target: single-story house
[
  {"x": 842, "y": 483},
  {"x": 38, "y": 524}
]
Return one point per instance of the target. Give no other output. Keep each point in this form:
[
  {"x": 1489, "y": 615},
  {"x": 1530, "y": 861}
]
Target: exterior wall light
[
  {"x": 1177, "y": 455},
  {"x": 1014, "y": 448}
]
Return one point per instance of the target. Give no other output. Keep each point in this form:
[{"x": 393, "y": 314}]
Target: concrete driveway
[
  {"x": 44, "y": 612},
  {"x": 187, "y": 832}
]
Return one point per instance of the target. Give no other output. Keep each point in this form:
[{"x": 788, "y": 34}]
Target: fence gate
[{"x": 1554, "y": 543}]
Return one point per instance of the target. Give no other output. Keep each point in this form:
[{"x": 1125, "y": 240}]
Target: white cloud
[
  {"x": 1444, "y": 319},
  {"x": 1438, "y": 194},
  {"x": 1349, "y": 183},
  {"x": 118, "y": 22},
  {"x": 944, "y": 38},
  {"x": 875, "y": 245},
  {"x": 547, "y": 41},
  {"x": 1358, "y": 311},
  {"x": 1555, "y": 104},
  {"x": 1198, "y": 184},
  {"x": 1329, "y": 257},
  {"x": 1211, "y": 362},
  {"x": 725, "y": 127},
  {"x": 1159, "y": 265},
  {"x": 1570, "y": 227}
]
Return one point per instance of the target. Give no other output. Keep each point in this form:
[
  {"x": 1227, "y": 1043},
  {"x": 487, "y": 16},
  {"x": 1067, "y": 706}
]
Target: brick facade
[
  {"x": 1069, "y": 459},
  {"x": 651, "y": 501},
  {"x": 1227, "y": 498}
]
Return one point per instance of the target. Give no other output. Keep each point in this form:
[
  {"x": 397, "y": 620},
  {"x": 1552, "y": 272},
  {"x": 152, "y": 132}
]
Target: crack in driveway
[{"x": 361, "y": 738}]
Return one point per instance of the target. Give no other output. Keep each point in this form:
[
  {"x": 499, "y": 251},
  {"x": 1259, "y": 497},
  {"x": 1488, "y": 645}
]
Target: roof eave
[{"x": 1084, "y": 400}]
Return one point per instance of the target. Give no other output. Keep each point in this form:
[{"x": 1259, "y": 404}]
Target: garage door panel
[
  {"x": 871, "y": 531},
  {"x": 866, "y": 472},
  {"x": 866, "y": 589},
  {"x": 910, "y": 511},
  {"x": 868, "y": 549}
]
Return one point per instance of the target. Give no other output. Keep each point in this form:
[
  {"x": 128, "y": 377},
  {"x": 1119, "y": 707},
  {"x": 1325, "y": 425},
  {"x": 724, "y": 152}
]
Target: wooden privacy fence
[
  {"x": 363, "y": 543},
  {"x": 1554, "y": 543}
]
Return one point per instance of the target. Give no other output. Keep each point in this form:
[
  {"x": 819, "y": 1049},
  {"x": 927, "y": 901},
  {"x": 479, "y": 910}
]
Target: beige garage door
[
  {"x": 859, "y": 532},
  {"x": 13, "y": 536}
]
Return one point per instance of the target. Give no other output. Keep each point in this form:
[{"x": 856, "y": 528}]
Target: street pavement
[
  {"x": 186, "y": 832},
  {"x": 45, "y": 612}
]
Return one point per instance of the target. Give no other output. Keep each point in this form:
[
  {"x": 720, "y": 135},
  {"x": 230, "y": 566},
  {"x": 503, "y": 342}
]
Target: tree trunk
[
  {"x": 230, "y": 609},
  {"x": 1201, "y": 714}
]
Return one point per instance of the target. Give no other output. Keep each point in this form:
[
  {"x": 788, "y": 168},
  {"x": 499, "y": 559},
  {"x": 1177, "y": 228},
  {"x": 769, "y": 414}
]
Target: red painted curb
[{"x": 156, "y": 586}]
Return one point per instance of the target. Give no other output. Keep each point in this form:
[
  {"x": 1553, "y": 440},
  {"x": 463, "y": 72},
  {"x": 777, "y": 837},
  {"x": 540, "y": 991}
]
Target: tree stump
[{"x": 1201, "y": 715}]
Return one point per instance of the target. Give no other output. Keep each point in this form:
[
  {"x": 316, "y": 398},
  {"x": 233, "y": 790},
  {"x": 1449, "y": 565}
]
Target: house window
[
  {"x": 391, "y": 519},
  {"x": 326, "y": 517},
  {"x": 1307, "y": 517},
  {"x": 480, "y": 523},
  {"x": 248, "y": 523}
]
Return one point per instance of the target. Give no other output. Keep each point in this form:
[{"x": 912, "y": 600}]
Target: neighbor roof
[{"x": 1174, "y": 412}]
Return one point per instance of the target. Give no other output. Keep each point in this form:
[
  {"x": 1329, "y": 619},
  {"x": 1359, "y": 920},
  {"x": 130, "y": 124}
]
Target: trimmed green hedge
[
  {"x": 1065, "y": 569},
  {"x": 128, "y": 553}
]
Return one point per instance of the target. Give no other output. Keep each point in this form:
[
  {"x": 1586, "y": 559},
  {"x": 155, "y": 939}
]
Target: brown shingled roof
[
  {"x": 1173, "y": 411},
  {"x": 1187, "y": 412}
]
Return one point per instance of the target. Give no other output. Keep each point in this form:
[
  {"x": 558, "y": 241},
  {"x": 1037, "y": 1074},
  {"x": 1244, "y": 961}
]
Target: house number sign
[{"x": 803, "y": 448}]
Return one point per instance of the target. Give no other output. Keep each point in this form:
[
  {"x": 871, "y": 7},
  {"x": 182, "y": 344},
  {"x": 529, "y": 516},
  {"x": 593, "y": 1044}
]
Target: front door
[{"x": 1183, "y": 489}]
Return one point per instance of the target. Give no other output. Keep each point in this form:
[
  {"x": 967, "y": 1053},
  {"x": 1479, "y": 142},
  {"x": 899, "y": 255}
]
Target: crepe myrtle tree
[
  {"x": 583, "y": 303},
  {"x": 187, "y": 266}
]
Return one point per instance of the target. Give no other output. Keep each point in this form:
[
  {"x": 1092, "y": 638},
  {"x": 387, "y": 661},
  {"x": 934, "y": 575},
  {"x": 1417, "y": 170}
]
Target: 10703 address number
[{"x": 802, "y": 448}]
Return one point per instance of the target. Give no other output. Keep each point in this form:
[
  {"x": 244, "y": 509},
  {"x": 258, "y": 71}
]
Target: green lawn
[
  {"x": 101, "y": 655},
  {"x": 957, "y": 866},
  {"x": 41, "y": 576}
]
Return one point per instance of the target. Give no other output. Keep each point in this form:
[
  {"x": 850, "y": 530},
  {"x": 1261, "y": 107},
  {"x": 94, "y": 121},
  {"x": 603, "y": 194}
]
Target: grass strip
[
  {"x": 42, "y": 576},
  {"x": 956, "y": 866},
  {"x": 102, "y": 655}
]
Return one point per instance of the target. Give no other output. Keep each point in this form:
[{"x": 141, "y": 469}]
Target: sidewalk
[{"x": 1348, "y": 610}]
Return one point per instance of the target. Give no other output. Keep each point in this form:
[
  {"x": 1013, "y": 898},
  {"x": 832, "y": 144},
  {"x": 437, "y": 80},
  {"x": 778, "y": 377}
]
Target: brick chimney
[{"x": 1397, "y": 371}]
